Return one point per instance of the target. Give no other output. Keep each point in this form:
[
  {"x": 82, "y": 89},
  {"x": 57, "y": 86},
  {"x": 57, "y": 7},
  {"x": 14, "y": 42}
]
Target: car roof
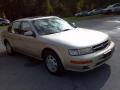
[
  {"x": 114, "y": 4},
  {"x": 35, "y": 18}
]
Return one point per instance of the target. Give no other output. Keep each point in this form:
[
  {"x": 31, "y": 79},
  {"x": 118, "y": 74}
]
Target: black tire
[
  {"x": 59, "y": 67},
  {"x": 9, "y": 49}
]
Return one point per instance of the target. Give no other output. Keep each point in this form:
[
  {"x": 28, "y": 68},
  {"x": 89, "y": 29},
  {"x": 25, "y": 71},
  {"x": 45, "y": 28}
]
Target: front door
[{"x": 29, "y": 43}]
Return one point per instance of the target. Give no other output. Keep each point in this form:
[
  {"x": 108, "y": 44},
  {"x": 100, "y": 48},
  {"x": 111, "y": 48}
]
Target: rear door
[{"x": 13, "y": 34}]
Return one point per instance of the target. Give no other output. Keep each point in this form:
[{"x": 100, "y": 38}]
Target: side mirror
[
  {"x": 29, "y": 33},
  {"x": 74, "y": 25}
]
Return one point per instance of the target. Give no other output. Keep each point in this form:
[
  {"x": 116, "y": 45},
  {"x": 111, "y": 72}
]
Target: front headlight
[
  {"x": 77, "y": 52},
  {"x": 74, "y": 52}
]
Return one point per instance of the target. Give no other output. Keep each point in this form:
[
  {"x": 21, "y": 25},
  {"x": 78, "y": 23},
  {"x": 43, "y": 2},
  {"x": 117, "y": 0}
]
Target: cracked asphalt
[{"x": 19, "y": 72}]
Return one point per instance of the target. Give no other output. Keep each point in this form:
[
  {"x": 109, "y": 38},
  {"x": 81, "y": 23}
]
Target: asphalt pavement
[{"x": 19, "y": 72}]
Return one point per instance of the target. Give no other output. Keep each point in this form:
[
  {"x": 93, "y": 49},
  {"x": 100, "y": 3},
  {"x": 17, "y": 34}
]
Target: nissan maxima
[{"x": 61, "y": 45}]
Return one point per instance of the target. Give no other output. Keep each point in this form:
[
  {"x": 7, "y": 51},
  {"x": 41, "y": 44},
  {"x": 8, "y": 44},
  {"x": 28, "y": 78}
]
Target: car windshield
[{"x": 51, "y": 26}]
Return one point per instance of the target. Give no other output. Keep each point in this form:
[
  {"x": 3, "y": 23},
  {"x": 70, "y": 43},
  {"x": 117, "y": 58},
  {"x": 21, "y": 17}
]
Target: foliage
[{"x": 14, "y": 9}]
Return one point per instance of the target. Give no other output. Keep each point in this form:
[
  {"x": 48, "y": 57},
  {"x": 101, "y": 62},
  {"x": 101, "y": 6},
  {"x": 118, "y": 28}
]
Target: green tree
[{"x": 14, "y": 9}]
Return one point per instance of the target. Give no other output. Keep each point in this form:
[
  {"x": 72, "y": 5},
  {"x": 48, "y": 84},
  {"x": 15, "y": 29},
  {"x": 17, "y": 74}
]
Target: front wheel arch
[
  {"x": 48, "y": 52},
  {"x": 44, "y": 51},
  {"x": 53, "y": 50}
]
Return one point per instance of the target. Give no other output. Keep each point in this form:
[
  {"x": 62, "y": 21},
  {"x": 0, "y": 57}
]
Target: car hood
[{"x": 78, "y": 37}]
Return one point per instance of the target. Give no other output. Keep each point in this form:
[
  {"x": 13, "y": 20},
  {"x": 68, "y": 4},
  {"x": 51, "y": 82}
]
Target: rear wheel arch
[
  {"x": 5, "y": 41},
  {"x": 9, "y": 49}
]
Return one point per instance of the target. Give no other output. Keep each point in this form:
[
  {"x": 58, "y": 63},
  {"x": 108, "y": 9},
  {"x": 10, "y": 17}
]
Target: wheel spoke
[{"x": 51, "y": 63}]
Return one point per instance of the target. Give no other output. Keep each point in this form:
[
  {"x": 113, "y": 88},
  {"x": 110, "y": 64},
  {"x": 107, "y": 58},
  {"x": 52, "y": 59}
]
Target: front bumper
[{"x": 98, "y": 58}]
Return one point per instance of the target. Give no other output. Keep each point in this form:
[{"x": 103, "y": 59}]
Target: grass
[
  {"x": 75, "y": 19},
  {"x": 3, "y": 27}
]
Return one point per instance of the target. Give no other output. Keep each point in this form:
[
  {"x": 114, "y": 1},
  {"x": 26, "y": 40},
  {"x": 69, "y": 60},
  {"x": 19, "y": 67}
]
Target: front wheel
[{"x": 53, "y": 63}]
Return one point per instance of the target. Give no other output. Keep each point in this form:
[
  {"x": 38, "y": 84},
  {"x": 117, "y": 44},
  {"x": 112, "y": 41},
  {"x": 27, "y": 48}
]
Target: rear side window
[{"x": 15, "y": 27}]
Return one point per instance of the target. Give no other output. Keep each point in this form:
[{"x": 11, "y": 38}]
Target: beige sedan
[{"x": 60, "y": 45}]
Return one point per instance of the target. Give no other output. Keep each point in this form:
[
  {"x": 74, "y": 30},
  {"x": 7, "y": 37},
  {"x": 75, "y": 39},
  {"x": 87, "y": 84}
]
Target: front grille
[
  {"x": 101, "y": 46},
  {"x": 105, "y": 57},
  {"x": 101, "y": 62}
]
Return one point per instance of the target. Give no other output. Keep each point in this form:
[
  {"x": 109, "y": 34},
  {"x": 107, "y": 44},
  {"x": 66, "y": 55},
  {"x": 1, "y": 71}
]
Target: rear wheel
[
  {"x": 53, "y": 63},
  {"x": 9, "y": 49}
]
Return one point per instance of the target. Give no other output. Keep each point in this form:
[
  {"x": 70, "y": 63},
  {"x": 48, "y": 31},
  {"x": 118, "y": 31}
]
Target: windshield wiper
[{"x": 66, "y": 29}]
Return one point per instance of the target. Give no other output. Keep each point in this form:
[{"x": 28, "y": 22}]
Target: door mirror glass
[{"x": 73, "y": 24}]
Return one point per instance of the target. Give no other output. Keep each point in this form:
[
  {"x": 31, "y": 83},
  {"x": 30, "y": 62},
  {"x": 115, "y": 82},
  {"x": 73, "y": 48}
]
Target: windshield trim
[{"x": 38, "y": 31}]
